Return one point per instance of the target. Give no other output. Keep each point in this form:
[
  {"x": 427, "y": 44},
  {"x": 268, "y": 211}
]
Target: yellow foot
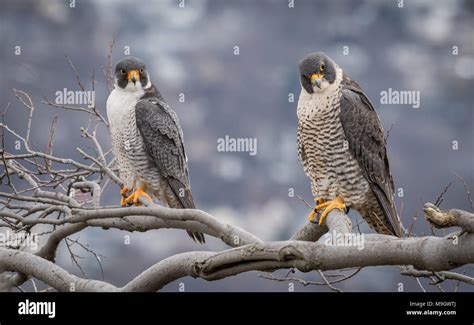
[
  {"x": 124, "y": 192},
  {"x": 337, "y": 203},
  {"x": 135, "y": 196},
  {"x": 319, "y": 201}
]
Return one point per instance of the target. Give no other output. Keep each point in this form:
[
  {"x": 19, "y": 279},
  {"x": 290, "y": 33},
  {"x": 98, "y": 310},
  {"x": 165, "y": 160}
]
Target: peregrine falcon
[
  {"x": 341, "y": 146},
  {"x": 147, "y": 141}
]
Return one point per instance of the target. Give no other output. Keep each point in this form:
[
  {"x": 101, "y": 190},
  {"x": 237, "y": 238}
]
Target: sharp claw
[
  {"x": 322, "y": 218},
  {"x": 124, "y": 192},
  {"x": 326, "y": 207},
  {"x": 320, "y": 204},
  {"x": 337, "y": 203},
  {"x": 319, "y": 200},
  {"x": 312, "y": 215},
  {"x": 130, "y": 198}
]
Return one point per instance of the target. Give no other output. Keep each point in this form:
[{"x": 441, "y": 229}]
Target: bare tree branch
[
  {"x": 39, "y": 200},
  {"x": 441, "y": 276},
  {"x": 427, "y": 253}
]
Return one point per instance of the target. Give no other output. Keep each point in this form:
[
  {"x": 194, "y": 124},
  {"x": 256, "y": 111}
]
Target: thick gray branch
[
  {"x": 425, "y": 253},
  {"x": 47, "y": 272}
]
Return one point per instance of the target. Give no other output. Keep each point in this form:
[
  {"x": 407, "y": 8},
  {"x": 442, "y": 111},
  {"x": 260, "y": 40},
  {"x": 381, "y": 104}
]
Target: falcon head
[
  {"x": 131, "y": 74},
  {"x": 317, "y": 72}
]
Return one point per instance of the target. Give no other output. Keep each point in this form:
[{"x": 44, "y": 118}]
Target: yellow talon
[
  {"x": 312, "y": 215},
  {"x": 319, "y": 200},
  {"x": 315, "y": 211},
  {"x": 124, "y": 192},
  {"x": 135, "y": 196},
  {"x": 326, "y": 207},
  {"x": 337, "y": 203}
]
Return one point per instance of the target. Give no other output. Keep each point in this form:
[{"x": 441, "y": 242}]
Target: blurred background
[{"x": 191, "y": 50}]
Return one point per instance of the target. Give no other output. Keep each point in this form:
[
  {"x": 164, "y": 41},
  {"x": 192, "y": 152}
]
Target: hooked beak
[
  {"x": 316, "y": 79},
  {"x": 133, "y": 75}
]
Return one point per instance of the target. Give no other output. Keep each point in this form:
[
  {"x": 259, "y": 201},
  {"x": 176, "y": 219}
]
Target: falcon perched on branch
[
  {"x": 147, "y": 141},
  {"x": 341, "y": 145}
]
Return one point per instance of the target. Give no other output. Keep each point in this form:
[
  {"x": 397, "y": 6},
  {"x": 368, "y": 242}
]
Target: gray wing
[
  {"x": 163, "y": 140},
  {"x": 365, "y": 135}
]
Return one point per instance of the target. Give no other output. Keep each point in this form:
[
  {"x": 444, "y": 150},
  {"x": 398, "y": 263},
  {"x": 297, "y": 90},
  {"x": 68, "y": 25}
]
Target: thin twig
[
  {"x": 78, "y": 78},
  {"x": 28, "y": 106},
  {"x": 439, "y": 199},
  {"x": 467, "y": 189},
  {"x": 333, "y": 288},
  {"x": 420, "y": 285},
  {"x": 3, "y": 145},
  {"x": 304, "y": 201},
  {"x": 388, "y": 132},
  {"x": 49, "y": 149}
]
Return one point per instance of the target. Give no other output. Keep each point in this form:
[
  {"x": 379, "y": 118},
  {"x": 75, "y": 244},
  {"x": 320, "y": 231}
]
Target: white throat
[
  {"x": 319, "y": 101},
  {"x": 121, "y": 103}
]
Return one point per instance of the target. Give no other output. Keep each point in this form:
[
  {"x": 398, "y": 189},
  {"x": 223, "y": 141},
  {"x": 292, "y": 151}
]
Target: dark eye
[
  {"x": 322, "y": 67},
  {"x": 142, "y": 70},
  {"x": 122, "y": 71}
]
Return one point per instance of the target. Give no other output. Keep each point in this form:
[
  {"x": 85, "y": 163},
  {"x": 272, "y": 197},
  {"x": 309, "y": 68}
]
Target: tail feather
[
  {"x": 390, "y": 212},
  {"x": 186, "y": 201}
]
